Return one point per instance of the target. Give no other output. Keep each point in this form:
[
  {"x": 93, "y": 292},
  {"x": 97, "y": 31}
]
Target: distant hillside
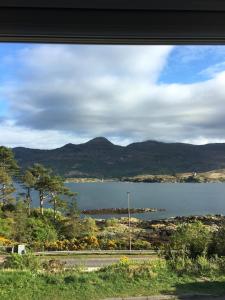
[
  {"x": 100, "y": 158},
  {"x": 210, "y": 176}
]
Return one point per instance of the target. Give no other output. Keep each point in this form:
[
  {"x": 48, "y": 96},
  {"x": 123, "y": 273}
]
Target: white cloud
[
  {"x": 213, "y": 70},
  {"x": 15, "y": 136},
  {"x": 73, "y": 93}
]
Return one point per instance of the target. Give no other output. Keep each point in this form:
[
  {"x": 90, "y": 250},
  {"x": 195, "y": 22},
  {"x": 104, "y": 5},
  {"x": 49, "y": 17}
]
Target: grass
[{"x": 122, "y": 279}]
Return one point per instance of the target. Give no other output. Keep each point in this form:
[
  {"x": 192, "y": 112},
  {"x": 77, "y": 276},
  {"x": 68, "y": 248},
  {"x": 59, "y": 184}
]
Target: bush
[
  {"x": 141, "y": 245},
  {"x": 87, "y": 242},
  {"x": 89, "y": 227},
  {"x": 217, "y": 245},
  {"x": 191, "y": 250},
  {"x": 205, "y": 266},
  {"x": 111, "y": 222},
  {"x": 38, "y": 230},
  {"x": 6, "y": 227},
  {"x": 54, "y": 265},
  {"x": 129, "y": 270},
  {"x": 180, "y": 264},
  {"x": 5, "y": 242},
  {"x": 111, "y": 245},
  {"x": 190, "y": 240},
  {"x": 22, "y": 262},
  {"x": 124, "y": 260},
  {"x": 91, "y": 242},
  {"x": 200, "y": 266}
]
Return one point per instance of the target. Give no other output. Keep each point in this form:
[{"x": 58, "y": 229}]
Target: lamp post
[{"x": 128, "y": 207}]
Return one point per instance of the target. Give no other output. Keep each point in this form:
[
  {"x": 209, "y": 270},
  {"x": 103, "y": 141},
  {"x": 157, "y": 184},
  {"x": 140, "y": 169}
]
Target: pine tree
[
  {"x": 8, "y": 169},
  {"x": 20, "y": 222},
  {"x": 7, "y": 161},
  {"x": 6, "y": 187},
  {"x": 57, "y": 190},
  {"x": 42, "y": 177},
  {"x": 28, "y": 181}
]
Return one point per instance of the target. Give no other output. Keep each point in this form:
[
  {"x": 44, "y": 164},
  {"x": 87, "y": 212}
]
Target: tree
[
  {"x": 41, "y": 177},
  {"x": 28, "y": 180},
  {"x": 20, "y": 222},
  {"x": 73, "y": 227},
  {"x": 49, "y": 186},
  {"x": 6, "y": 187},
  {"x": 8, "y": 168},
  {"x": 57, "y": 190},
  {"x": 6, "y": 227},
  {"x": 89, "y": 227},
  {"x": 39, "y": 230},
  {"x": 7, "y": 161},
  {"x": 72, "y": 209}
]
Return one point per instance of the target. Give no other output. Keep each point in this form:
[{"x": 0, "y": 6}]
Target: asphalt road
[{"x": 97, "y": 262}]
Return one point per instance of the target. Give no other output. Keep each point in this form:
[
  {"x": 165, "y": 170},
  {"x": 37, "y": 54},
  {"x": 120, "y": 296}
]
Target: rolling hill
[{"x": 101, "y": 158}]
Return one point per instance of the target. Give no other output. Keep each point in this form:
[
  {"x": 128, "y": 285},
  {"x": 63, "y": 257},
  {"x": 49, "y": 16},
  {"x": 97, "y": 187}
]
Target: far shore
[
  {"x": 214, "y": 176},
  {"x": 89, "y": 180}
]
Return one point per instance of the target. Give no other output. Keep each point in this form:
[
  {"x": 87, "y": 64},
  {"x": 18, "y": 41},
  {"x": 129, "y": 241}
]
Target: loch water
[{"x": 178, "y": 199}]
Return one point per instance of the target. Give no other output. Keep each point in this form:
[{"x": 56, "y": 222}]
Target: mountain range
[{"x": 102, "y": 159}]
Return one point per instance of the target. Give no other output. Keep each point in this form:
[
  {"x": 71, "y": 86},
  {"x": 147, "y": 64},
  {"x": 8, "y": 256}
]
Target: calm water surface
[{"x": 177, "y": 198}]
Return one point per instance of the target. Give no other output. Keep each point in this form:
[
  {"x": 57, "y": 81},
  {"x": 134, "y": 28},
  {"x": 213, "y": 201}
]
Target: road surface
[{"x": 97, "y": 262}]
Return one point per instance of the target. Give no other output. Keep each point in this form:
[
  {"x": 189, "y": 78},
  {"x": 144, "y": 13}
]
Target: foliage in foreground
[
  {"x": 123, "y": 279},
  {"x": 187, "y": 269},
  {"x": 58, "y": 228},
  {"x": 194, "y": 240}
]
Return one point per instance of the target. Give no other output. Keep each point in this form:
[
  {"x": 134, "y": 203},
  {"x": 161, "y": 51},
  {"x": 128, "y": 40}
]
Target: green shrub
[
  {"x": 54, "y": 280},
  {"x": 71, "y": 278},
  {"x": 141, "y": 245},
  {"x": 38, "y": 230},
  {"x": 6, "y": 227},
  {"x": 54, "y": 265},
  {"x": 200, "y": 266},
  {"x": 190, "y": 240},
  {"x": 128, "y": 270},
  {"x": 111, "y": 222},
  {"x": 89, "y": 227},
  {"x": 205, "y": 266},
  {"x": 22, "y": 262},
  {"x": 180, "y": 264},
  {"x": 217, "y": 245}
]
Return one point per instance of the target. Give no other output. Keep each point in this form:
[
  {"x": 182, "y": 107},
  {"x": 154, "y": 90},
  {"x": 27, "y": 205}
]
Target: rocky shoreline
[
  {"x": 105, "y": 211},
  {"x": 178, "y": 178},
  {"x": 158, "y": 232}
]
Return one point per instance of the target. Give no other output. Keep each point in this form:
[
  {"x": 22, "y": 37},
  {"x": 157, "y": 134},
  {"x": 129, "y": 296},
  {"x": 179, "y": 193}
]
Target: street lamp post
[{"x": 128, "y": 206}]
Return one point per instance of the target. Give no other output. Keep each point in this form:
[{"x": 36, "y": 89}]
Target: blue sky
[
  {"x": 186, "y": 63},
  {"x": 51, "y": 95}
]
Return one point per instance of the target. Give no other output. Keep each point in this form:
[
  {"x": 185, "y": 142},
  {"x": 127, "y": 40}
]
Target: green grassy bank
[{"x": 123, "y": 279}]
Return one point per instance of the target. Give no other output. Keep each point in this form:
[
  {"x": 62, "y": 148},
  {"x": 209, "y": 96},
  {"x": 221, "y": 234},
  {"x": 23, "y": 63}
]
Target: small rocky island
[{"x": 122, "y": 211}]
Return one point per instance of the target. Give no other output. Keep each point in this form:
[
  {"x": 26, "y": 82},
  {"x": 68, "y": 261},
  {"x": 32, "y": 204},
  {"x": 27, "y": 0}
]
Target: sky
[{"x": 51, "y": 95}]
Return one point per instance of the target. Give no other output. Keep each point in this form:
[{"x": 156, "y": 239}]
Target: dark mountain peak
[
  {"x": 101, "y": 158},
  {"x": 19, "y": 148},
  {"x": 153, "y": 142},
  {"x": 68, "y": 146},
  {"x": 144, "y": 144},
  {"x": 99, "y": 141}
]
